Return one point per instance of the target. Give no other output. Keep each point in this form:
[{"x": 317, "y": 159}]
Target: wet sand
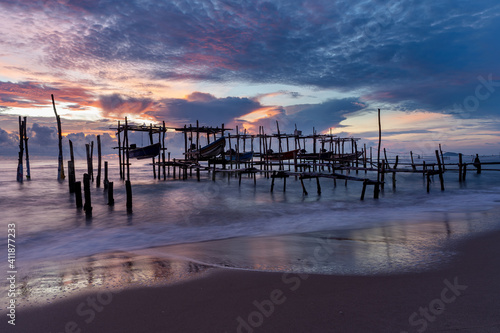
[{"x": 460, "y": 294}]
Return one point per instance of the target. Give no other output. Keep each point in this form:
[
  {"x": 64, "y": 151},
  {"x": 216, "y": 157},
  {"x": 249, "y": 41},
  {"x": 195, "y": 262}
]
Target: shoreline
[{"x": 460, "y": 295}]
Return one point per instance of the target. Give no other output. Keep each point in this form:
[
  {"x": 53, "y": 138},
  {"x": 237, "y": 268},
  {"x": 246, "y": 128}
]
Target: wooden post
[
  {"x": 363, "y": 190},
  {"x": 106, "y": 181},
  {"x": 127, "y": 146},
  {"x": 377, "y": 186},
  {"x": 111, "y": 200},
  {"x": 151, "y": 142},
  {"x": 89, "y": 163},
  {"x": 60, "y": 168},
  {"x": 20, "y": 175},
  {"x": 460, "y": 166},
  {"x": 128, "y": 188},
  {"x": 414, "y": 168},
  {"x": 163, "y": 151},
  {"x": 98, "y": 161},
  {"x": 25, "y": 134},
  {"x": 394, "y": 172},
  {"x": 382, "y": 177},
  {"x": 442, "y": 157},
  {"x": 318, "y": 185},
  {"x": 303, "y": 186},
  {"x": 272, "y": 181},
  {"x": 71, "y": 176},
  {"x": 86, "y": 189},
  {"x": 441, "y": 179},
  {"x": 119, "y": 151},
  {"x": 92, "y": 161},
  {"x": 465, "y": 172},
  {"x": 428, "y": 181},
  {"x": 78, "y": 194}
]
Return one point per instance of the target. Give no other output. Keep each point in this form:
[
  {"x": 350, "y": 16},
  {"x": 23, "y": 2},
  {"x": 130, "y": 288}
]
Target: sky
[{"x": 432, "y": 67}]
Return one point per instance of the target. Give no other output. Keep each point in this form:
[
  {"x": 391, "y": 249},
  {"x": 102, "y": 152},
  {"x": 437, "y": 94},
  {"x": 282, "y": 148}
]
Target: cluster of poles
[{"x": 330, "y": 158}]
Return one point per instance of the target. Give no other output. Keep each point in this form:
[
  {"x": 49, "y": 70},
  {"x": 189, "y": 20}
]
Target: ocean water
[{"x": 222, "y": 223}]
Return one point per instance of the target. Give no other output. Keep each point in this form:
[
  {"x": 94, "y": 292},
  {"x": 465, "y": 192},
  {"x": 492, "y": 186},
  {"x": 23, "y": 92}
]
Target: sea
[{"x": 178, "y": 229}]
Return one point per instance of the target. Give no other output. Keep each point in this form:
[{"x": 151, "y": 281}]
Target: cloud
[
  {"x": 31, "y": 94},
  {"x": 205, "y": 108},
  {"x": 324, "y": 115},
  {"x": 116, "y": 105}
]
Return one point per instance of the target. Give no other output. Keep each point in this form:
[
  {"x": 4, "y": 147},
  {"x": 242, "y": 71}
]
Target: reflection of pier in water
[{"x": 113, "y": 271}]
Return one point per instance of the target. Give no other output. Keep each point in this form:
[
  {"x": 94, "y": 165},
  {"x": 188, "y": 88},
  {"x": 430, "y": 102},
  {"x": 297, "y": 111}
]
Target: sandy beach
[{"x": 460, "y": 295}]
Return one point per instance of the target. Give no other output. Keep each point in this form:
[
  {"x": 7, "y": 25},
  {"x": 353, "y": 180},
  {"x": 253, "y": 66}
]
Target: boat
[
  {"x": 239, "y": 157},
  {"x": 346, "y": 157},
  {"x": 144, "y": 152},
  {"x": 211, "y": 150},
  {"x": 326, "y": 155},
  {"x": 286, "y": 155}
]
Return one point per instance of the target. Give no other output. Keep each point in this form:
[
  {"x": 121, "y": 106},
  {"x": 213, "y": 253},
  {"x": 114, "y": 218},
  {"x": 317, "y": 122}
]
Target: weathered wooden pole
[
  {"x": 20, "y": 175},
  {"x": 60, "y": 168},
  {"x": 304, "y": 191},
  {"x": 128, "y": 188},
  {"x": 441, "y": 178},
  {"x": 119, "y": 151},
  {"x": 71, "y": 176},
  {"x": 78, "y": 194},
  {"x": 318, "y": 185},
  {"x": 87, "y": 207},
  {"x": 127, "y": 147},
  {"x": 460, "y": 167},
  {"x": 106, "y": 180},
  {"x": 442, "y": 157},
  {"x": 414, "y": 168},
  {"x": 377, "y": 186},
  {"x": 111, "y": 199},
  {"x": 92, "y": 161},
  {"x": 25, "y": 134},
  {"x": 89, "y": 162},
  {"x": 394, "y": 172},
  {"x": 365, "y": 182},
  {"x": 163, "y": 151},
  {"x": 99, "y": 159}
]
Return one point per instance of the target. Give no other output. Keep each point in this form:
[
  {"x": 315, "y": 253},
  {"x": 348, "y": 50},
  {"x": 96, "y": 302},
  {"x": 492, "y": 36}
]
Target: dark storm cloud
[
  {"x": 203, "y": 107},
  {"x": 324, "y": 115}
]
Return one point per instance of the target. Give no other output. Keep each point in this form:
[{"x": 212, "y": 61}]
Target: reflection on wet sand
[
  {"x": 389, "y": 249},
  {"x": 400, "y": 247},
  {"x": 49, "y": 282}
]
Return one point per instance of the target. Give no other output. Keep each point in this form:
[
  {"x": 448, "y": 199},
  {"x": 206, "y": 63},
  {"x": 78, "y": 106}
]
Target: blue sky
[{"x": 431, "y": 66}]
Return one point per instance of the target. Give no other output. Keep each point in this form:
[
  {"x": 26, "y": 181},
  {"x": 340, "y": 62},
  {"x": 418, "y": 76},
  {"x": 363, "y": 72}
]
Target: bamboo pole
[
  {"x": 119, "y": 150},
  {"x": 98, "y": 161},
  {"x": 25, "y": 134},
  {"x": 377, "y": 186},
  {"x": 20, "y": 175},
  {"x": 60, "y": 168}
]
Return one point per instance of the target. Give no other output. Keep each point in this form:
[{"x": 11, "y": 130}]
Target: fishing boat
[
  {"x": 286, "y": 155},
  {"x": 326, "y": 155},
  {"x": 239, "y": 157},
  {"x": 144, "y": 152},
  {"x": 211, "y": 150},
  {"x": 346, "y": 157}
]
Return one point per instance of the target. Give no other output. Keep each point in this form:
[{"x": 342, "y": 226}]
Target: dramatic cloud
[
  {"x": 118, "y": 106},
  {"x": 36, "y": 94},
  {"x": 205, "y": 108}
]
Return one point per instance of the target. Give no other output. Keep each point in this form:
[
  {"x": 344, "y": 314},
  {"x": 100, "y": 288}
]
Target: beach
[
  {"x": 462, "y": 295},
  {"x": 410, "y": 262}
]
